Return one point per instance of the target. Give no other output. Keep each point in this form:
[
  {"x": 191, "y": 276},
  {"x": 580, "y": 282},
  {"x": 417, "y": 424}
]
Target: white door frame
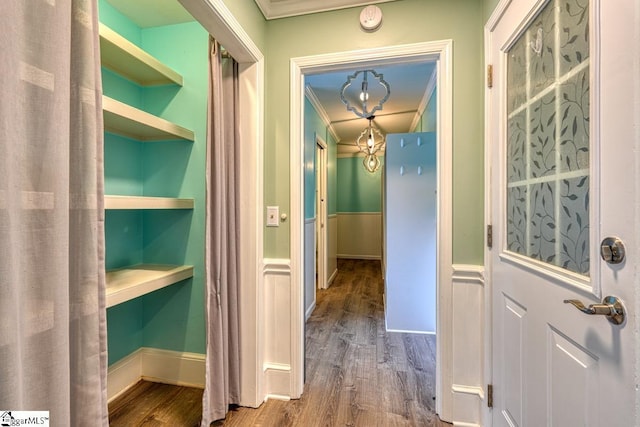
[
  {"x": 442, "y": 52},
  {"x": 321, "y": 212},
  {"x": 218, "y": 20}
]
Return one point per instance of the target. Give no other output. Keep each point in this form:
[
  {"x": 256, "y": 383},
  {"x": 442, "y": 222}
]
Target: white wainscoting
[
  {"x": 332, "y": 255},
  {"x": 277, "y": 316},
  {"x": 468, "y": 345},
  {"x": 152, "y": 364},
  {"x": 359, "y": 235},
  {"x": 309, "y": 266}
]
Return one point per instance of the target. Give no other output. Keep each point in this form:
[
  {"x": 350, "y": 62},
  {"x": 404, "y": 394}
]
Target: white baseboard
[
  {"x": 332, "y": 278},
  {"x": 309, "y": 311},
  {"x": 123, "y": 374},
  {"x": 278, "y": 381},
  {"x": 351, "y": 256},
  {"x": 412, "y": 332},
  {"x": 152, "y": 364}
]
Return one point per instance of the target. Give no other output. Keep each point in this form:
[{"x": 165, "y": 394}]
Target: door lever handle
[{"x": 611, "y": 307}]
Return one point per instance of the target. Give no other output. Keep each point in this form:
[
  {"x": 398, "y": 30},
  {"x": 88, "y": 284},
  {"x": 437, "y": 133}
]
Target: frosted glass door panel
[
  {"x": 548, "y": 138},
  {"x": 410, "y": 232}
]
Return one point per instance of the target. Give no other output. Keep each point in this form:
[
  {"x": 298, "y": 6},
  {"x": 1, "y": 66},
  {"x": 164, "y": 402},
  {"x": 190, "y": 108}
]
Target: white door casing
[
  {"x": 321, "y": 214},
  {"x": 440, "y": 51},
  {"x": 553, "y": 198}
]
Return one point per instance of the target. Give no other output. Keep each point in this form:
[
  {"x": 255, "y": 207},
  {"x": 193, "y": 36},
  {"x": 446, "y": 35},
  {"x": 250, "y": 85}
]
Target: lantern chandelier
[
  {"x": 369, "y": 142},
  {"x": 371, "y": 139},
  {"x": 366, "y": 95}
]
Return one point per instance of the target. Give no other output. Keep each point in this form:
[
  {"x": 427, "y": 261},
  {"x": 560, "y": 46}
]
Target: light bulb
[{"x": 364, "y": 96}]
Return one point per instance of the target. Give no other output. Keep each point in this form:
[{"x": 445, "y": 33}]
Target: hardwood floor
[
  {"x": 357, "y": 374},
  {"x": 154, "y": 405}
]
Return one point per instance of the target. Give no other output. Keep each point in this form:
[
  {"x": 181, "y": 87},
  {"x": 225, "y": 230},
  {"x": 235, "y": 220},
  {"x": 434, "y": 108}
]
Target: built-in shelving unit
[
  {"x": 125, "y": 58},
  {"x": 131, "y": 62},
  {"x": 125, "y": 284},
  {"x": 143, "y": 202},
  {"x": 125, "y": 120}
]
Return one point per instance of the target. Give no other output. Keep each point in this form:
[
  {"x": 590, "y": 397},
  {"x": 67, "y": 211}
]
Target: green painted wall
[
  {"x": 488, "y": 7},
  {"x": 171, "y": 318},
  {"x": 248, "y": 14},
  {"x": 429, "y": 119},
  {"x": 313, "y": 125},
  {"x": 358, "y": 190},
  {"x": 405, "y": 21}
]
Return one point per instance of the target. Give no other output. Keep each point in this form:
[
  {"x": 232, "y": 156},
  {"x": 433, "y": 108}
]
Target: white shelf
[
  {"x": 123, "y": 119},
  {"x": 127, "y": 283},
  {"x": 125, "y": 58},
  {"x": 143, "y": 202}
]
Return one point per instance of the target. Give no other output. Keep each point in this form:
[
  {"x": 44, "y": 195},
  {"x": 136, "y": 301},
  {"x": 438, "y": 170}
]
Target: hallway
[{"x": 357, "y": 374}]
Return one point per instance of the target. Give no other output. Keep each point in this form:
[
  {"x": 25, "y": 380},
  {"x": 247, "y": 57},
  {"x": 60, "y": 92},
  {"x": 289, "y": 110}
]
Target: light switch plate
[{"x": 273, "y": 216}]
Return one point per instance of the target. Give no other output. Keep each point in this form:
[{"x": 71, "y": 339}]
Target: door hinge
[
  {"x": 490, "y": 395},
  {"x": 489, "y": 236},
  {"x": 489, "y": 76}
]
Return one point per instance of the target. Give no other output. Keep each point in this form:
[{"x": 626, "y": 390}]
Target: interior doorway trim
[
  {"x": 442, "y": 52},
  {"x": 321, "y": 214},
  {"x": 218, "y": 20}
]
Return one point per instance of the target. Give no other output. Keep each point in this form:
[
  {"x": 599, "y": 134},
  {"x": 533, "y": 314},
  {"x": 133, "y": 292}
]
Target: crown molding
[{"x": 274, "y": 9}]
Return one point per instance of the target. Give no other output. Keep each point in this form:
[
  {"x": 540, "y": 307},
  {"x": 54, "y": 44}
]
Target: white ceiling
[
  {"x": 409, "y": 85},
  {"x": 273, "y": 9}
]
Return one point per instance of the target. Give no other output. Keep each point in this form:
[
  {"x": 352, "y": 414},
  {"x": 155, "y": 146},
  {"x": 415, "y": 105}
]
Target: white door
[{"x": 564, "y": 176}]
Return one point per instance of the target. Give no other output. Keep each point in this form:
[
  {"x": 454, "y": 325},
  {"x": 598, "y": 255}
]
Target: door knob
[{"x": 611, "y": 307}]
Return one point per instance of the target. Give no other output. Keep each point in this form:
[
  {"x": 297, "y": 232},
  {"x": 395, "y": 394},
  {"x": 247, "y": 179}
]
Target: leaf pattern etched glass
[{"x": 547, "y": 153}]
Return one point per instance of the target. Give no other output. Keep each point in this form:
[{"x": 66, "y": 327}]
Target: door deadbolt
[{"x": 612, "y": 250}]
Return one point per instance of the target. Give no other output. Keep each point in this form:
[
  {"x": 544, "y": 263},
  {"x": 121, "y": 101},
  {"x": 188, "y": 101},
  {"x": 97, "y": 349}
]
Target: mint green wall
[
  {"x": 313, "y": 125},
  {"x": 488, "y": 7},
  {"x": 174, "y": 317},
  {"x": 171, "y": 318},
  {"x": 358, "y": 190},
  {"x": 428, "y": 121},
  {"x": 405, "y": 21},
  {"x": 248, "y": 14}
]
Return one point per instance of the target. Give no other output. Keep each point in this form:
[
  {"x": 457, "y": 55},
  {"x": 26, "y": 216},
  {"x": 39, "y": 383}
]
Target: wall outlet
[{"x": 273, "y": 216}]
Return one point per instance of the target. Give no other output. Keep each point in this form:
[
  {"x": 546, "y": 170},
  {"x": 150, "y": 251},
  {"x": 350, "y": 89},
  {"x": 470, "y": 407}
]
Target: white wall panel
[
  {"x": 309, "y": 266},
  {"x": 468, "y": 344},
  {"x": 410, "y": 208},
  {"x": 332, "y": 256},
  {"x": 277, "y": 309},
  {"x": 359, "y": 235}
]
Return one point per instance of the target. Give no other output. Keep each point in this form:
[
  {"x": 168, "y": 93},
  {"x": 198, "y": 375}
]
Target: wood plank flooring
[
  {"x": 357, "y": 374},
  {"x": 157, "y": 405}
]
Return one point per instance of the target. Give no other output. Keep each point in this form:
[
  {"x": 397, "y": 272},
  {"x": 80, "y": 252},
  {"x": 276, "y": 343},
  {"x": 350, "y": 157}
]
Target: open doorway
[{"x": 440, "y": 53}]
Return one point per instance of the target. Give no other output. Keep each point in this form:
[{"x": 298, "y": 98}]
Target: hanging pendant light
[
  {"x": 361, "y": 108},
  {"x": 371, "y": 163},
  {"x": 371, "y": 139}
]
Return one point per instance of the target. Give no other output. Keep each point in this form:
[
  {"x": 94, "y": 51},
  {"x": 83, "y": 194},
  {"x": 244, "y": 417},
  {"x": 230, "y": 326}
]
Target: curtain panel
[
  {"x": 222, "y": 383},
  {"x": 52, "y": 282}
]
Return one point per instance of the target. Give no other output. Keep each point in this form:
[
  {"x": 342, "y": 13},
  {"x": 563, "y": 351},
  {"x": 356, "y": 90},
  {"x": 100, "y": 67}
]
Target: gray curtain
[
  {"x": 52, "y": 285},
  {"x": 222, "y": 384}
]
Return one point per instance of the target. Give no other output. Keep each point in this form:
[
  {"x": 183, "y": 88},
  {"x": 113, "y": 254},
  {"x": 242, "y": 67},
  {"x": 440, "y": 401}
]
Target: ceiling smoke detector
[{"x": 371, "y": 18}]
